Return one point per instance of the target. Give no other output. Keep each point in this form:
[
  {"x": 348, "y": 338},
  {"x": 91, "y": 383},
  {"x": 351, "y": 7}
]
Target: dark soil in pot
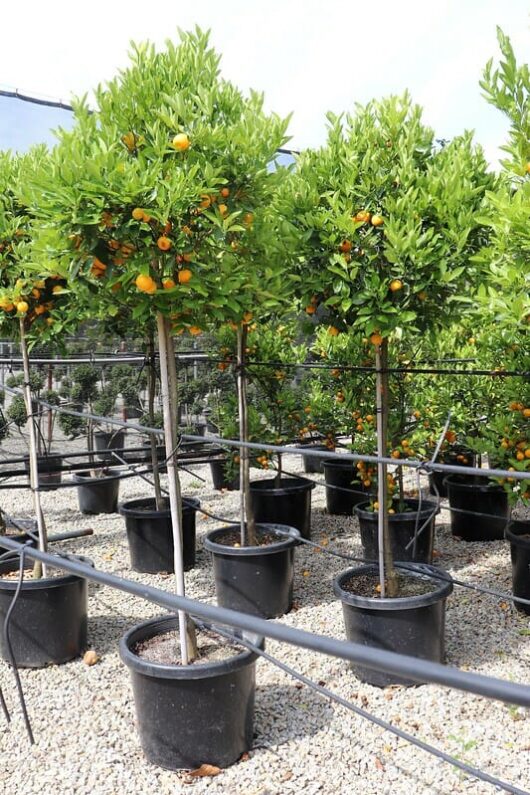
[
  {"x": 471, "y": 495},
  {"x": 402, "y": 529},
  {"x": 343, "y": 490},
  {"x": 97, "y": 494},
  {"x": 49, "y": 622},
  {"x": 106, "y": 441},
  {"x": 518, "y": 534},
  {"x": 413, "y": 624},
  {"x": 150, "y": 535},
  {"x": 459, "y": 458},
  {"x": 221, "y": 479},
  {"x": 188, "y": 715},
  {"x": 287, "y": 502},
  {"x": 258, "y": 579}
]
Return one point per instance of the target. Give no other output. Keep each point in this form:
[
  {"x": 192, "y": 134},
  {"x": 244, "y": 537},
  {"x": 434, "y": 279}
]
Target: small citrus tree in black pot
[{"x": 405, "y": 208}]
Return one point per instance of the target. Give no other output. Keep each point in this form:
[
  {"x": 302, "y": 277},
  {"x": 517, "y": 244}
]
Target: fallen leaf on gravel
[
  {"x": 108, "y": 556},
  {"x": 504, "y": 606},
  {"x": 287, "y": 775},
  {"x": 364, "y": 701},
  {"x": 379, "y": 765},
  {"x": 205, "y": 770},
  {"x": 91, "y": 657},
  {"x": 306, "y": 573},
  {"x": 244, "y": 757},
  {"x": 436, "y": 554}
]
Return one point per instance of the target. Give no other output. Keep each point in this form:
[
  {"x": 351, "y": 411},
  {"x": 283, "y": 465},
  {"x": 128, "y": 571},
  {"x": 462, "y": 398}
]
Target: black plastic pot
[
  {"x": 288, "y": 504},
  {"x": 150, "y": 535},
  {"x": 413, "y": 625},
  {"x": 475, "y": 494},
  {"x": 47, "y": 466},
  {"x": 518, "y": 534},
  {"x": 49, "y": 623},
  {"x": 256, "y": 580},
  {"x": 313, "y": 464},
  {"x": 219, "y": 478},
  {"x": 436, "y": 479},
  {"x": 106, "y": 441},
  {"x": 342, "y": 499},
  {"x": 402, "y": 528},
  {"x": 187, "y": 715},
  {"x": 97, "y": 495}
]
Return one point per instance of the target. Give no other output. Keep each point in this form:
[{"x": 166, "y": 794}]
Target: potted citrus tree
[
  {"x": 389, "y": 221},
  {"x": 154, "y": 192},
  {"x": 49, "y": 622}
]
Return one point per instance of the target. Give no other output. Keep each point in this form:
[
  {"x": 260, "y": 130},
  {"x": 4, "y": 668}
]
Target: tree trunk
[
  {"x": 38, "y": 569},
  {"x": 167, "y": 366},
  {"x": 248, "y": 525},
  {"x": 151, "y": 391},
  {"x": 387, "y": 573}
]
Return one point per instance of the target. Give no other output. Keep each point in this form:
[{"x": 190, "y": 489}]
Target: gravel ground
[{"x": 83, "y": 717}]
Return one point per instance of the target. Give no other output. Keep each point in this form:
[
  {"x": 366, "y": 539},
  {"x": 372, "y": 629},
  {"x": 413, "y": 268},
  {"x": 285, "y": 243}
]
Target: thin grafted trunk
[
  {"x": 38, "y": 569},
  {"x": 151, "y": 392},
  {"x": 387, "y": 572},
  {"x": 248, "y": 525}
]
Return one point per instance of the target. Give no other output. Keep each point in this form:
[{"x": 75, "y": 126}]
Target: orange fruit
[
  {"x": 377, "y": 220},
  {"x": 57, "y": 290},
  {"x": 333, "y": 331},
  {"x": 35, "y": 293},
  {"x": 376, "y": 339},
  {"x": 223, "y": 209},
  {"x": 310, "y": 309},
  {"x": 520, "y": 456},
  {"x": 345, "y": 246},
  {"x": 205, "y": 201},
  {"x": 145, "y": 284},
  {"x": 527, "y": 452},
  {"x": 422, "y": 295},
  {"x": 195, "y": 330},
  {"x": 180, "y": 142},
  {"x": 138, "y": 214},
  {"x": 168, "y": 226},
  {"x": 225, "y": 192},
  {"x": 50, "y": 321},
  {"x": 187, "y": 256},
  {"x": 247, "y": 317},
  {"x": 395, "y": 454},
  {"x": 526, "y": 413},
  {"x": 184, "y": 276},
  {"x": 40, "y": 284},
  {"x": 395, "y": 285},
  {"x": 40, "y": 309},
  {"x": 22, "y": 307},
  {"x": 163, "y": 243},
  {"x": 362, "y": 216},
  {"x": 248, "y": 218},
  {"x": 168, "y": 284}
]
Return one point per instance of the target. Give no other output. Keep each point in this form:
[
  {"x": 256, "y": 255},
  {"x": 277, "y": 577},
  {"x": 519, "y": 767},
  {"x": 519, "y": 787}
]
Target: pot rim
[
  {"x": 84, "y": 475},
  {"x": 271, "y": 549},
  {"x": 46, "y": 582},
  {"x": 442, "y": 591},
  {"x": 128, "y": 508},
  {"x": 513, "y": 536},
  {"x": 331, "y": 462},
  {"x": 195, "y": 671},
  {"x": 458, "y": 482},
  {"x": 292, "y": 484},
  {"x": 427, "y": 506}
]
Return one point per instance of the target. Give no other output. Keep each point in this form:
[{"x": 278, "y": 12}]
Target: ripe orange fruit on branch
[
  {"x": 163, "y": 243},
  {"x": 376, "y": 339},
  {"x": 180, "y": 142},
  {"x": 138, "y": 214},
  {"x": 310, "y": 309},
  {"x": 333, "y": 331},
  {"x": 168, "y": 284},
  {"x": 363, "y": 216},
  {"x": 223, "y": 209},
  {"x": 145, "y": 284},
  {"x": 225, "y": 192},
  {"x": 395, "y": 285},
  {"x": 345, "y": 246},
  {"x": 195, "y": 330},
  {"x": 184, "y": 276},
  {"x": 22, "y": 307},
  {"x": 377, "y": 220}
]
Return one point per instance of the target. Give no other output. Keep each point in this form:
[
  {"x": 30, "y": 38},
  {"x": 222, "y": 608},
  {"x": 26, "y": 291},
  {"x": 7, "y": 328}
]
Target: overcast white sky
[{"x": 309, "y": 56}]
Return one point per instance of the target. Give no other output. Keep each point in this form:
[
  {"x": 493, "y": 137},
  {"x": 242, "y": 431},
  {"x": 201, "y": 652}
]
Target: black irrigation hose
[
  {"x": 403, "y": 735},
  {"x": 7, "y": 638}
]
